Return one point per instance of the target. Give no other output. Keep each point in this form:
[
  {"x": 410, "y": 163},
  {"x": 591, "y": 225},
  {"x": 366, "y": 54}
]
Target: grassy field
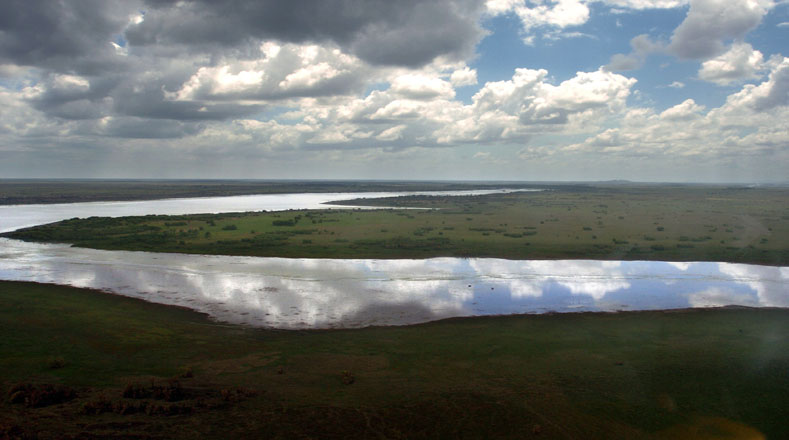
[
  {"x": 628, "y": 222},
  {"x": 81, "y": 364},
  {"x": 26, "y": 191}
]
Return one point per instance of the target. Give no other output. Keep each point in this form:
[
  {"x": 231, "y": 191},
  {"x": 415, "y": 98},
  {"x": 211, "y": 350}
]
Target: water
[
  {"x": 326, "y": 293},
  {"x": 334, "y": 293},
  {"x": 14, "y": 217}
]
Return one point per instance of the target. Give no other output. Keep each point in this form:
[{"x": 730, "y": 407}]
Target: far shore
[{"x": 624, "y": 222}]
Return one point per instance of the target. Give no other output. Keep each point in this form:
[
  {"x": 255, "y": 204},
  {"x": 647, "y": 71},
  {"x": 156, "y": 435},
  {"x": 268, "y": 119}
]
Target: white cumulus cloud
[{"x": 740, "y": 62}]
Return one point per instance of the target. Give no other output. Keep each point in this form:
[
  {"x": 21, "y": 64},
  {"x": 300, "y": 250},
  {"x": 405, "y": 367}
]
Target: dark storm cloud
[
  {"x": 61, "y": 35},
  {"x": 407, "y": 32},
  {"x": 175, "y": 39},
  {"x": 152, "y": 103}
]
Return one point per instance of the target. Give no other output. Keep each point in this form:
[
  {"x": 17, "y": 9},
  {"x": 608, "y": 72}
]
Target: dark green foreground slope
[{"x": 69, "y": 356}]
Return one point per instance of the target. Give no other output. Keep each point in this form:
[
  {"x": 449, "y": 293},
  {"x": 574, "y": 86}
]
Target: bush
[
  {"x": 37, "y": 396},
  {"x": 229, "y": 228},
  {"x": 283, "y": 223}
]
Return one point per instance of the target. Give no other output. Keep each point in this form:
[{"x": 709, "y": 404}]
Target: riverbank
[
  {"x": 587, "y": 375},
  {"x": 666, "y": 223}
]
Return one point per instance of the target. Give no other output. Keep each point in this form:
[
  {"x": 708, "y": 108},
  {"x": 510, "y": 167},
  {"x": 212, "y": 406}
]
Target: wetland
[{"x": 257, "y": 331}]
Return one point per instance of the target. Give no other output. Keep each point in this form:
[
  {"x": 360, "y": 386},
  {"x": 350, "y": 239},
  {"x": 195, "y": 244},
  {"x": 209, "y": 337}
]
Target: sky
[{"x": 531, "y": 90}]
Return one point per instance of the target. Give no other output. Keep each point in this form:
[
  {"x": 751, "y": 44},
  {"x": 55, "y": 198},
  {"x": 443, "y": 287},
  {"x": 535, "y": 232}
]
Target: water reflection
[{"x": 324, "y": 293}]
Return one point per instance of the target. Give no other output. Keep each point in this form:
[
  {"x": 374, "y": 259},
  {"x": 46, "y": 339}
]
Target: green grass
[
  {"x": 626, "y": 375},
  {"x": 673, "y": 223}
]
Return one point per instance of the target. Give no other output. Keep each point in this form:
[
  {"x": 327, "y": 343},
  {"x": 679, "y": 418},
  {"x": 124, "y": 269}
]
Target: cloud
[
  {"x": 464, "y": 77},
  {"x": 642, "y": 47},
  {"x": 688, "y": 109},
  {"x": 140, "y": 128},
  {"x": 358, "y": 82},
  {"x": 282, "y": 71},
  {"x": 421, "y": 86},
  {"x": 404, "y": 33},
  {"x": 751, "y": 123},
  {"x": 768, "y": 95},
  {"x": 740, "y": 62},
  {"x": 63, "y": 36},
  {"x": 552, "y": 16},
  {"x": 711, "y": 23},
  {"x": 529, "y": 104},
  {"x": 645, "y": 4},
  {"x": 562, "y": 13}
]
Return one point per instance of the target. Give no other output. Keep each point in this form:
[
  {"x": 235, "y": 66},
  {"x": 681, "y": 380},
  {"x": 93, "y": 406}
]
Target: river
[{"x": 334, "y": 293}]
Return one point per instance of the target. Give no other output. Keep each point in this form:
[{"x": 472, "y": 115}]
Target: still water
[
  {"x": 324, "y": 293},
  {"x": 332, "y": 293}
]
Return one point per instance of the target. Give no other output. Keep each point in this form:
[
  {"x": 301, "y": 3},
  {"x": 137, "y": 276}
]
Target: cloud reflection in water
[{"x": 324, "y": 293}]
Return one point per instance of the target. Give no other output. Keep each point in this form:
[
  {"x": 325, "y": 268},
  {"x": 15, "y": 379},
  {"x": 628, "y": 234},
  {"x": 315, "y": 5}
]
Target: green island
[
  {"x": 613, "y": 222},
  {"x": 83, "y": 364}
]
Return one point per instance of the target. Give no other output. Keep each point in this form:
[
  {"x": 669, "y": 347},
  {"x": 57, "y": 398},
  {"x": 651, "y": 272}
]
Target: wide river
[{"x": 328, "y": 293}]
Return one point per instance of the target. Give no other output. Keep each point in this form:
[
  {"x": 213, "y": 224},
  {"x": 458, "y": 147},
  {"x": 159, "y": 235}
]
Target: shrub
[
  {"x": 229, "y": 228},
  {"x": 37, "y": 396}
]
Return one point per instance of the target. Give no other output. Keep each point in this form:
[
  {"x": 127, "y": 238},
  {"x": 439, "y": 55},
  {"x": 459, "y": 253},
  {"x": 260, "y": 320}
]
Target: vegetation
[
  {"x": 628, "y": 222},
  {"x": 140, "y": 370}
]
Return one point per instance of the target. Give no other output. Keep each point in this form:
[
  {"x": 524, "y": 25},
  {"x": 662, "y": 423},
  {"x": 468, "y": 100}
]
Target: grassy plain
[
  {"x": 679, "y": 374},
  {"x": 628, "y": 222}
]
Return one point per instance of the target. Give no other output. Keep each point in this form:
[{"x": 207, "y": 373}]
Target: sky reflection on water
[{"x": 325, "y": 293}]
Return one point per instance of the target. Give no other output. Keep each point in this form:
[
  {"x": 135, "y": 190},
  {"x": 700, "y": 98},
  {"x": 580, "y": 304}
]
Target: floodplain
[
  {"x": 614, "y": 222},
  {"x": 79, "y": 363}
]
